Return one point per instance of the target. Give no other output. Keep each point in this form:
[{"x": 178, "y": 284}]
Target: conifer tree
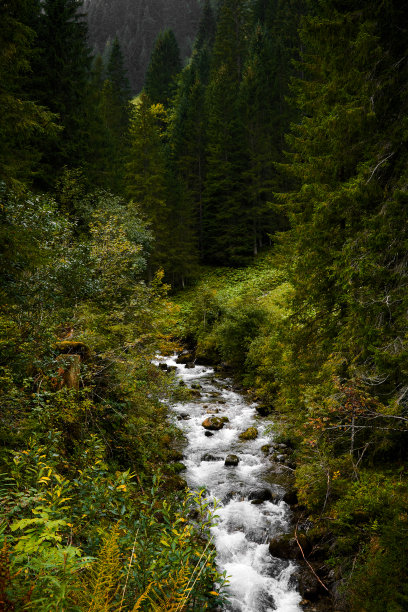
[
  {"x": 227, "y": 232},
  {"x": 187, "y": 131},
  {"x": 24, "y": 124},
  {"x": 165, "y": 64},
  {"x": 347, "y": 267},
  {"x": 62, "y": 72},
  {"x": 146, "y": 170},
  {"x": 115, "y": 111}
]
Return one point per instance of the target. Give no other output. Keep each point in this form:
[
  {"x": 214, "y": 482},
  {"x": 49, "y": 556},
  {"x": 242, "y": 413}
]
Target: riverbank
[{"x": 350, "y": 481}]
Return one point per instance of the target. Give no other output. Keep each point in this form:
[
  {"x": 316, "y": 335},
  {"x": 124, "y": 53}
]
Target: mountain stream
[{"x": 258, "y": 582}]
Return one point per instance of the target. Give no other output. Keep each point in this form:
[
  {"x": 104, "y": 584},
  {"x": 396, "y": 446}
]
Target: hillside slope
[{"x": 136, "y": 23}]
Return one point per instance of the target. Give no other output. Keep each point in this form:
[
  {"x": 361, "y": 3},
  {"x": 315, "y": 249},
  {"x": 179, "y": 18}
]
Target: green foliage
[
  {"x": 23, "y": 122},
  {"x": 163, "y": 69}
]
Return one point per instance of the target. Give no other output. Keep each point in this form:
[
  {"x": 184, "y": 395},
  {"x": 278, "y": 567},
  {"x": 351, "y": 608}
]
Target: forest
[{"x": 248, "y": 203}]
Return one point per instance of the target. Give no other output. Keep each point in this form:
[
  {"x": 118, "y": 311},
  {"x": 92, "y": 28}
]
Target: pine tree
[{"x": 163, "y": 69}]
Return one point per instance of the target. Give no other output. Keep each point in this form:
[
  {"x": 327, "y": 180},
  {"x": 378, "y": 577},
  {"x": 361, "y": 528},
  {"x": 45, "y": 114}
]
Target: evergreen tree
[
  {"x": 206, "y": 28},
  {"x": 116, "y": 74},
  {"x": 163, "y": 69},
  {"x": 146, "y": 170},
  {"x": 347, "y": 261},
  {"x": 227, "y": 231},
  {"x": 23, "y": 123},
  {"x": 62, "y": 71},
  {"x": 265, "y": 112},
  {"x": 114, "y": 107},
  {"x": 187, "y": 131},
  {"x": 153, "y": 185}
]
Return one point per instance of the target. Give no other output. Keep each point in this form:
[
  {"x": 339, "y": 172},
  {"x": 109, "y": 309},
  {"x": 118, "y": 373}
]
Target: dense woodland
[
  {"x": 137, "y": 23},
  {"x": 252, "y": 204}
]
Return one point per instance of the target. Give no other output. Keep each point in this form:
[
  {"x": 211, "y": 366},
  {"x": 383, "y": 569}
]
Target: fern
[
  {"x": 144, "y": 596},
  {"x": 104, "y": 576}
]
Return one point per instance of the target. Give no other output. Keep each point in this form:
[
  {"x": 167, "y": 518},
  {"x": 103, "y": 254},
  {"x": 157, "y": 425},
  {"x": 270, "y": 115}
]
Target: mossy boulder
[
  {"x": 249, "y": 434},
  {"x": 185, "y": 357},
  {"x": 231, "y": 460},
  {"x": 213, "y": 423}
]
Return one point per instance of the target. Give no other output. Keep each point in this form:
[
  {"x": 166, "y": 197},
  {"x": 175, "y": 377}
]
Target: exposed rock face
[
  {"x": 249, "y": 434},
  {"x": 213, "y": 423},
  {"x": 232, "y": 460}
]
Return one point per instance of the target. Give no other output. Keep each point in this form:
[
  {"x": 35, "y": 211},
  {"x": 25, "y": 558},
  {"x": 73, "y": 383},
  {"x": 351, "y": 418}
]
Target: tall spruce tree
[
  {"x": 24, "y": 125},
  {"x": 187, "y": 131},
  {"x": 164, "y": 66},
  {"x": 348, "y": 154},
  {"x": 227, "y": 231},
  {"x": 115, "y": 112},
  {"x": 62, "y": 72}
]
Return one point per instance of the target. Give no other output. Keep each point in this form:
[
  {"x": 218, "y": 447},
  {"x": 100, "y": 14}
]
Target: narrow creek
[{"x": 258, "y": 582}]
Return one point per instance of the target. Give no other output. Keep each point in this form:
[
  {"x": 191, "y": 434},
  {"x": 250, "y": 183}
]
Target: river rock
[
  {"x": 232, "y": 460},
  {"x": 208, "y": 434},
  {"x": 263, "y": 410},
  {"x": 261, "y": 495},
  {"x": 290, "y": 497},
  {"x": 309, "y": 587},
  {"x": 163, "y": 366},
  {"x": 209, "y": 457},
  {"x": 249, "y": 434},
  {"x": 266, "y": 448},
  {"x": 185, "y": 357},
  {"x": 213, "y": 423},
  {"x": 183, "y": 416},
  {"x": 286, "y": 547},
  {"x": 190, "y": 365}
]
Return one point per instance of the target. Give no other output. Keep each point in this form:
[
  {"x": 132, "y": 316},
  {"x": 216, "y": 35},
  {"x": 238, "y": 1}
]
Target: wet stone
[
  {"x": 231, "y": 460},
  {"x": 209, "y": 457},
  {"x": 249, "y": 434},
  {"x": 213, "y": 423},
  {"x": 261, "y": 495},
  {"x": 209, "y": 434}
]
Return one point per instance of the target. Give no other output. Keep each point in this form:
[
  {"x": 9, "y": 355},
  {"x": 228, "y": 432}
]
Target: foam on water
[{"x": 257, "y": 581}]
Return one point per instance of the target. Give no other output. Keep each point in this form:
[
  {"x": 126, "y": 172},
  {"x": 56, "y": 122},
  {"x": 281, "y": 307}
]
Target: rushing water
[{"x": 258, "y": 582}]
